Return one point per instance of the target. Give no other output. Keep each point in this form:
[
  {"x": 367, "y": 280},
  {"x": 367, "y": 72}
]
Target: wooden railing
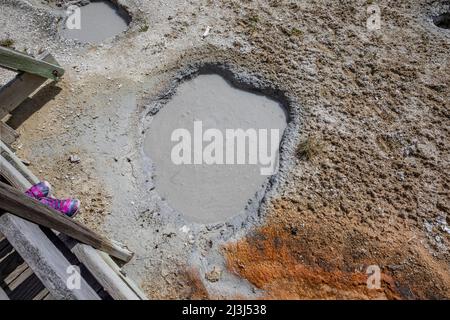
[{"x": 23, "y": 216}]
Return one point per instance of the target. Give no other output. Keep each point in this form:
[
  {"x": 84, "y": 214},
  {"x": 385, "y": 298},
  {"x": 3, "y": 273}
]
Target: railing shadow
[{"x": 31, "y": 105}]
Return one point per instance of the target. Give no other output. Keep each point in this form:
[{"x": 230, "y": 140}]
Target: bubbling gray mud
[
  {"x": 100, "y": 20},
  {"x": 210, "y": 193}
]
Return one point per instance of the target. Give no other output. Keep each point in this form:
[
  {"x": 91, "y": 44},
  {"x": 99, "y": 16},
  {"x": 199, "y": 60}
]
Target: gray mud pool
[
  {"x": 196, "y": 170},
  {"x": 99, "y": 21}
]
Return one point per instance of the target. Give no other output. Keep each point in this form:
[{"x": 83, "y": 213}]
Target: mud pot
[
  {"x": 207, "y": 192},
  {"x": 99, "y": 20}
]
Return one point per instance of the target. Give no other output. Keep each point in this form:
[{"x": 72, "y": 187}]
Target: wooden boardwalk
[
  {"x": 39, "y": 248},
  {"x": 19, "y": 282}
]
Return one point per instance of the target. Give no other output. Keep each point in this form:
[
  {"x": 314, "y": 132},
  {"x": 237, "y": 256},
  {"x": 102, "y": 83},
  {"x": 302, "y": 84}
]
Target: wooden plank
[
  {"x": 41, "y": 295},
  {"x": 27, "y": 289},
  {"x": 3, "y": 243},
  {"x": 17, "y": 281},
  {"x": 15, "y": 60},
  {"x": 87, "y": 257},
  {"x": 5, "y": 249},
  {"x": 16, "y": 273},
  {"x": 54, "y": 220},
  {"x": 49, "y": 297},
  {"x": 108, "y": 273},
  {"x": 21, "y": 87},
  {"x": 17, "y": 90},
  {"x": 72, "y": 258},
  {"x": 11, "y": 174},
  {"x": 24, "y": 174},
  {"x": 9, "y": 267},
  {"x": 47, "y": 263},
  {"x": 15, "y": 202},
  {"x": 130, "y": 283},
  {"x": 105, "y": 275},
  {"x": 7, "y": 134},
  {"x": 3, "y": 295}
]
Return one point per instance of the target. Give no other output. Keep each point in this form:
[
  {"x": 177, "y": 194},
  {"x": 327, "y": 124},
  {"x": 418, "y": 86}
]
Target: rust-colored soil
[{"x": 305, "y": 258}]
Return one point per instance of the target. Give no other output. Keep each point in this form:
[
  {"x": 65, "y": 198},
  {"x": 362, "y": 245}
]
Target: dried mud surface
[{"x": 368, "y": 184}]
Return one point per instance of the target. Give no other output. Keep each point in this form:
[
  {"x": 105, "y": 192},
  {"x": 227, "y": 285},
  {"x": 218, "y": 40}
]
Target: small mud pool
[
  {"x": 443, "y": 20},
  {"x": 99, "y": 20},
  {"x": 201, "y": 191}
]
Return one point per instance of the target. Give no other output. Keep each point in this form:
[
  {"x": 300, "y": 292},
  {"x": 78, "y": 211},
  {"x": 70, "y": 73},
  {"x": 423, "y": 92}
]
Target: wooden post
[
  {"x": 111, "y": 281},
  {"x": 21, "y": 87},
  {"x": 41, "y": 255},
  {"x": 3, "y": 295},
  {"x": 7, "y": 134},
  {"x": 23, "y": 173},
  {"x": 98, "y": 262},
  {"x": 8, "y": 171},
  {"x": 17, "y": 203},
  {"x": 18, "y": 61}
]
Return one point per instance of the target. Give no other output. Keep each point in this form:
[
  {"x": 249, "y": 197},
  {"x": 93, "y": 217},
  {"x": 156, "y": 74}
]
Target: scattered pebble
[
  {"x": 74, "y": 158},
  {"x": 207, "y": 31},
  {"x": 214, "y": 275}
]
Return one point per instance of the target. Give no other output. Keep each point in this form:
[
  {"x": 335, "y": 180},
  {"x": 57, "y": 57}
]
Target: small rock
[
  {"x": 214, "y": 275},
  {"x": 207, "y": 31},
  {"x": 74, "y": 158}
]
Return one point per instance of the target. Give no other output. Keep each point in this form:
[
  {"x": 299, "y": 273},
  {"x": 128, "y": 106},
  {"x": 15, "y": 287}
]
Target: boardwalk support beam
[
  {"x": 19, "y": 61},
  {"x": 17, "y": 203}
]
